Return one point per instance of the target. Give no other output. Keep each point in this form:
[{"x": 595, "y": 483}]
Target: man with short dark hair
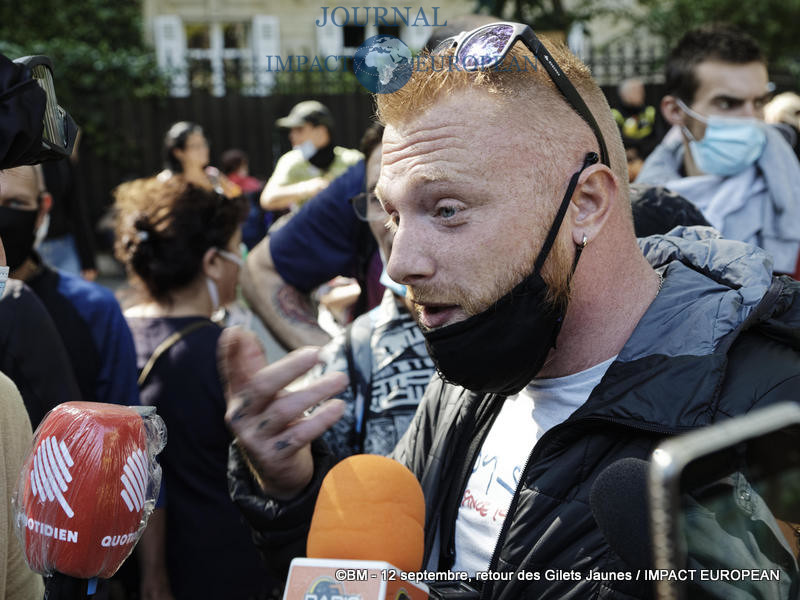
[
  {"x": 313, "y": 161},
  {"x": 739, "y": 172},
  {"x": 563, "y": 346}
]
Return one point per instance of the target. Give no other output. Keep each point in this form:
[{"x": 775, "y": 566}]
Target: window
[{"x": 218, "y": 56}]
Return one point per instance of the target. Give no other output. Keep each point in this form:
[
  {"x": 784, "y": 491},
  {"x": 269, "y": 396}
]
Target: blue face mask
[
  {"x": 729, "y": 145},
  {"x": 3, "y": 279},
  {"x": 397, "y": 288}
]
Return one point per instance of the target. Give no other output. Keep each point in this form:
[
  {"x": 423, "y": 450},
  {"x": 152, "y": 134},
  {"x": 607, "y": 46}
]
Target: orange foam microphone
[
  {"x": 87, "y": 488},
  {"x": 367, "y": 535}
]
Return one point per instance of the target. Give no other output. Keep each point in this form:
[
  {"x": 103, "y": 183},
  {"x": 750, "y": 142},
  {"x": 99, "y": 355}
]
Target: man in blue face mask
[{"x": 720, "y": 154}]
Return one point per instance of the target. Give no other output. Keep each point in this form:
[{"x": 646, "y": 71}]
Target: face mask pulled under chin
[
  {"x": 500, "y": 350},
  {"x": 307, "y": 149},
  {"x": 730, "y": 144}
]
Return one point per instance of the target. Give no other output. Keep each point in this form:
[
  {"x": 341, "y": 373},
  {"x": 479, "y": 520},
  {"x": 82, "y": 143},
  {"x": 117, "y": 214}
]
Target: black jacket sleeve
[{"x": 279, "y": 528}]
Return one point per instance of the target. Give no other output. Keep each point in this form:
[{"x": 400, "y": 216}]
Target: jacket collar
[{"x": 668, "y": 375}]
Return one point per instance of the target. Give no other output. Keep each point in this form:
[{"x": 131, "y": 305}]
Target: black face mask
[
  {"x": 17, "y": 233},
  {"x": 500, "y": 350},
  {"x": 323, "y": 157}
]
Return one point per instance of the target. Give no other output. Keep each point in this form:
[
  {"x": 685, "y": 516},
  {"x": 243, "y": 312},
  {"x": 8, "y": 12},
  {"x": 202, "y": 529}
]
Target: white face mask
[
  {"x": 213, "y": 290},
  {"x": 730, "y": 144},
  {"x": 234, "y": 258},
  {"x": 213, "y": 293},
  {"x": 307, "y": 149}
]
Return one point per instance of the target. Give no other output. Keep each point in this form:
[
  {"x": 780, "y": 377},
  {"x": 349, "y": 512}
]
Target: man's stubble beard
[{"x": 556, "y": 272}]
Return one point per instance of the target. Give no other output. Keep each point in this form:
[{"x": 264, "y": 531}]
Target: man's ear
[
  {"x": 592, "y": 201},
  {"x": 673, "y": 114},
  {"x": 45, "y": 204}
]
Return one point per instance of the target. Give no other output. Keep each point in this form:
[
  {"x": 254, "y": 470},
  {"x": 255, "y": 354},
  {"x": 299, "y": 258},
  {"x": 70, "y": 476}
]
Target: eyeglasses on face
[{"x": 367, "y": 207}]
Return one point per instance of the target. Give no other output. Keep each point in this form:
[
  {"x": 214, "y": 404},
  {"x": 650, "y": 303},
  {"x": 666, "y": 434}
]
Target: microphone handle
[{"x": 65, "y": 587}]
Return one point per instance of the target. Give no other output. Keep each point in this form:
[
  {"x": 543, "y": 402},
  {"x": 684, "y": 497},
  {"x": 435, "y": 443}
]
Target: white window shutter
[
  {"x": 416, "y": 37},
  {"x": 330, "y": 39},
  {"x": 266, "y": 44},
  {"x": 170, "y": 40}
]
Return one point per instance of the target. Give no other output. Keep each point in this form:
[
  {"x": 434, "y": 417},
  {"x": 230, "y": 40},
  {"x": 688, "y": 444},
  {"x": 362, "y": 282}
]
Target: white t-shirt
[{"x": 523, "y": 419}]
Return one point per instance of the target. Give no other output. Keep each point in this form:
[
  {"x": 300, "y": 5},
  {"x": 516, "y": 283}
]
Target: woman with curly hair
[{"x": 180, "y": 245}]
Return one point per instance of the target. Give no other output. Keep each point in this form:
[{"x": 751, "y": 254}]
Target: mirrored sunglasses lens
[
  {"x": 486, "y": 48},
  {"x": 444, "y": 45}
]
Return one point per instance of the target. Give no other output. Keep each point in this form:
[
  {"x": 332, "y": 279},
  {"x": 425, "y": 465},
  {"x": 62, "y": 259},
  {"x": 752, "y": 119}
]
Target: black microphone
[{"x": 619, "y": 502}]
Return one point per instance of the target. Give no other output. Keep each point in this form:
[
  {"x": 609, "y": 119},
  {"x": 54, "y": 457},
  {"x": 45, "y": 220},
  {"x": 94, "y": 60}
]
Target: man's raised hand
[{"x": 272, "y": 425}]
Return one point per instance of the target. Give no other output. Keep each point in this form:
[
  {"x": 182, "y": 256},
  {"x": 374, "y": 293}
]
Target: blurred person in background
[
  {"x": 784, "y": 111},
  {"x": 312, "y": 163},
  {"x": 69, "y": 242},
  {"x": 719, "y": 154},
  {"x": 180, "y": 245},
  {"x": 638, "y": 123},
  {"x": 17, "y": 581},
  {"x": 186, "y": 154},
  {"x": 236, "y": 167},
  {"x": 323, "y": 239},
  {"x": 87, "y": 315}
]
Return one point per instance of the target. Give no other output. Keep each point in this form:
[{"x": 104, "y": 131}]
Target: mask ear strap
[{"x": 590, "y": 159}]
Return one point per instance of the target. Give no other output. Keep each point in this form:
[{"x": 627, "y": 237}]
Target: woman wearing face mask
[
  {"x": 186, "y": 155},
  {"x": 180, "y": 245}
]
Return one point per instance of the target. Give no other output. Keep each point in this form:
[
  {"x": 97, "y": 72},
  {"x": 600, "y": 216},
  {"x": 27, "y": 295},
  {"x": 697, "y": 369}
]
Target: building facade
[{"x": 217, "y": 44}]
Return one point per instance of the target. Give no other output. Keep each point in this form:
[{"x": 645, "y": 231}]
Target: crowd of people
[{"x": 539, "y": 287}]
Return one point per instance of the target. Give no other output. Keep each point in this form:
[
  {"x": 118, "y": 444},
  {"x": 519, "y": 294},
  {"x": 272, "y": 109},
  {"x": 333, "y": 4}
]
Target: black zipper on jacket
[
  {"x": 484, "y": 424},
  {"x": 548, "y": 438}
]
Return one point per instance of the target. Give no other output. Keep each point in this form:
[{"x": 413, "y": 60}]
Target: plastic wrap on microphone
[{"x": 87, "y": 488}]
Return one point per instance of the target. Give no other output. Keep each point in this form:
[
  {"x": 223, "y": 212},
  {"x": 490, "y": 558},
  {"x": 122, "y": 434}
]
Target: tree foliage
[
  {"x": 542, "y": 15},
  {"x": 771, "y": 22},
  {"x": 98, "y": 53}
]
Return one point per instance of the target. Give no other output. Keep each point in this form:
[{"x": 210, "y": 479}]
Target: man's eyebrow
[
  {"x": 738, "y": 100},
  {"x": 728, "y": 98}
]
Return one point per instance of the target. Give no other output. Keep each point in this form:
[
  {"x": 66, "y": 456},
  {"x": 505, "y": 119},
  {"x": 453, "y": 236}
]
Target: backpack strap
[{"x": 166, "y": 345}]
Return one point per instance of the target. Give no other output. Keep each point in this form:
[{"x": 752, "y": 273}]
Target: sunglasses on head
[{"x": 486, "y": 47}]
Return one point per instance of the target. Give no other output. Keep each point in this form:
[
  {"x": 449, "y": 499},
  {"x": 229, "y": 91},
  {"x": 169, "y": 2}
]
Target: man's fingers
[
  {"x": 292, "y": 406},
  {"x": 240, "y": 356},
  {"x": 265, "y": 387},
  {"x": 308, "y": 428},
  {"x": 273, "y": 378}
]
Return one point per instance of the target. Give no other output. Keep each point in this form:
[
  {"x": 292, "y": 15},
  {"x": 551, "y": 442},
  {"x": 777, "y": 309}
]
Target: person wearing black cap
[{"x": 312, "y": 163}]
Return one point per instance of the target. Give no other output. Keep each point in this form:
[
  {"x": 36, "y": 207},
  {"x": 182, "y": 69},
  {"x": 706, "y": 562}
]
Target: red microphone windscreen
[
  {"x": 87, "y": 488},
  {"x": 369, "y": 508}
]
